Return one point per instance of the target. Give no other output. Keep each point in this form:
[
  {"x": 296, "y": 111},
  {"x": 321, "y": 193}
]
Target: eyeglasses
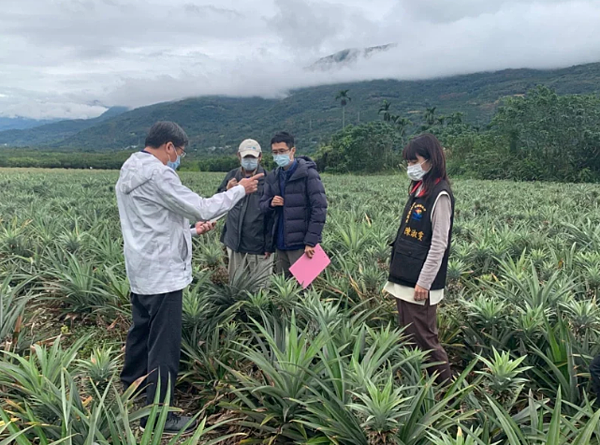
[
  {"x": 280, "y": 152},
  {"x": 183, "y": 152}
]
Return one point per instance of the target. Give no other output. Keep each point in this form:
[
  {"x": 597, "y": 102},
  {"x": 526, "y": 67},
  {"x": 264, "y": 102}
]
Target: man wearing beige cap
[{"x": 246, "y": 226}]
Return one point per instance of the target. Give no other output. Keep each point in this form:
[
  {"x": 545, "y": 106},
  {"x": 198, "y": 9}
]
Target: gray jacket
[
  {"x": 155, "y": 210},
  {"x": 245, "y": 229}
]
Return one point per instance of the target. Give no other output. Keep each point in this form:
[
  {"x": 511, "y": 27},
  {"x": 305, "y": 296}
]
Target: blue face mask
[
  {"x": 282, "y": 160},
  {"x": 174, "y": 165},
  {"x": 250, "y": 164}
]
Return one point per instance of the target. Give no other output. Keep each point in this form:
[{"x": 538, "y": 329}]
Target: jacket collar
[{"x": 300, "y": 172}]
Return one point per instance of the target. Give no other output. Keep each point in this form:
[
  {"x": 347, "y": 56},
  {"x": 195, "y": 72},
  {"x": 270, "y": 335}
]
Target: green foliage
[
  {"x": 502, "y": 376},
  {"x": 12, "y": 307},
  {"x": 539, "y": 136},
  {"x": 535, "y": 136},
  {"x": 100, "y": 368},
  {"x": 344, "y": 98},
  {"x": 366, "y": 148},
  {"x": 519, "y": 320},
  {"x": 71, "y": 159},
  {"x": 46, "y": 405},
  {"x": 111, "y": 160}
]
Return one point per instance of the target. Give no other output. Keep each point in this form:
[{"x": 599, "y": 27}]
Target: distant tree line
[
  {"x": 34, "y": 158},
  {"x": 540, "y": 136},
  {"x": 111, "y": 160},
  {"x": 537, "y": 136}
]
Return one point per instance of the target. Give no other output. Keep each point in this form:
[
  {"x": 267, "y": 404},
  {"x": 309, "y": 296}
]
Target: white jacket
[{"x": 155, "y": 210}]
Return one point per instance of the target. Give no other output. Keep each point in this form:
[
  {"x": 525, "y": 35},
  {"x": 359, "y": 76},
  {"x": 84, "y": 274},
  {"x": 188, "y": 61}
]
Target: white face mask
[
  {"x": 416, "y": 172},
  {"x": 250, "y": 165}
]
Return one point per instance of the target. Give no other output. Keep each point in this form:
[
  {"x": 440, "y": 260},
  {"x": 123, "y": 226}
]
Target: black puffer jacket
[
  {"x": 305, "y": 206},
  {"x": 245, "y": 229}
]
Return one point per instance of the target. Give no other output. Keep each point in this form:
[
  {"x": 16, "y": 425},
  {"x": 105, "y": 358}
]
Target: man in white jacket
[{"x": 155, "y": 210}]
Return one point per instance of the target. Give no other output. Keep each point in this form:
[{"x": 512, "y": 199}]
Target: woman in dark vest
[{"x": 420, "y": 252}]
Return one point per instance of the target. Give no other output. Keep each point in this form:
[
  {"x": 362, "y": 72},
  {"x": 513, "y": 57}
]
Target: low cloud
[
  {"x": 77, "y": 59},
  {"x": 39, "y": 109}
]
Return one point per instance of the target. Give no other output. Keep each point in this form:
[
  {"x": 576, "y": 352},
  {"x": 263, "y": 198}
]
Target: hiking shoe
[{"x": 176, "y": 424}]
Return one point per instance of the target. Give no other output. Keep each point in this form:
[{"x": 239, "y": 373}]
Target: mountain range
[
  {"x": 347, "y": 57},
  {"x": 216, "y": 124},
  {"x": 55, "y": 132},
  {"x": 22, "y": 123}
]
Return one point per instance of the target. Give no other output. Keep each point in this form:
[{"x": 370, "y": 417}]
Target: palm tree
[
  {"x": 441, "y": 120},
  {"x": 402, "y": 124},
  {"x": 343, "y": 97},
  {"x": 429, "y": 115},
  {"x": 456, "y": 118},
  {"x": 385, "y": 109}
]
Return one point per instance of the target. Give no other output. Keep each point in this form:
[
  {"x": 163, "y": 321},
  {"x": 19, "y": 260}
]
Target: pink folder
[{"x": 306, "y": 269}]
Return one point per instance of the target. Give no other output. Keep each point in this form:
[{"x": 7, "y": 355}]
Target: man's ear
[{"x": 239, "y": 156}]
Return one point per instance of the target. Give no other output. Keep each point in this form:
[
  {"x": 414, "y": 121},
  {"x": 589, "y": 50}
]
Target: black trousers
[{"x": 154, "y": 343}]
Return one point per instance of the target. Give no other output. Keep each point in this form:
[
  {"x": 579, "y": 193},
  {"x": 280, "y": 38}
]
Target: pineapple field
[{"x": 520, "y": 323}]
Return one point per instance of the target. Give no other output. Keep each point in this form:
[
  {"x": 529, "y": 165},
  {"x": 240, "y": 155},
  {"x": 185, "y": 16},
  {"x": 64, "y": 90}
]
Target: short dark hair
[
  {"x": 283, "y": 136},
  {"x": 162, "y": 132}
]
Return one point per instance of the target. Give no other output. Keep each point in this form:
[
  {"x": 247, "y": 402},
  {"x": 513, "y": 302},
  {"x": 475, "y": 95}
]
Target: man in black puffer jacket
[{"x": 295, "y": 202}]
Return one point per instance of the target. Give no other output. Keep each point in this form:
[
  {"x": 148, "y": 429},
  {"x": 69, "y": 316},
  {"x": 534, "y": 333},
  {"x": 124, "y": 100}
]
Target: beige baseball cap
[{"x": 249, "y": 147}]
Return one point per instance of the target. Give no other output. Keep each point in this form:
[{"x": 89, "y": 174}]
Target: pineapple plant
[
  {"x": 591, "y": 278},
  {"x": 503, "y": 378},
  {"x": 471, "y": 438},
  {"x": 584, "y": 315},
  {"x": 100, "y": 368},
  {"x": 220, "y": 276},
  {"x": 523, "y": 277},
  {"x": 456, "y": 270},
  {"x": 211, "y": 257}
]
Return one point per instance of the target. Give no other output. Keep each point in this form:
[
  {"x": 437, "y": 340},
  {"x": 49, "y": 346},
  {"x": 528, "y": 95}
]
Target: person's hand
[
  {"x": 268, "y": 255},
  {"x": 309, "y": 251},
  {"x": 204, "y": 227},
  {"x": 421, "y": 294},
  {"x": 277, "y": 201},
  {"x": 232, "y": 183},
  {"x": 251, "y": 184}
]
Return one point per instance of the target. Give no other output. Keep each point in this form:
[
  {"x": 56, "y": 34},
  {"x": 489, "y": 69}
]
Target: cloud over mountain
[{"x": 72, "y": 59}]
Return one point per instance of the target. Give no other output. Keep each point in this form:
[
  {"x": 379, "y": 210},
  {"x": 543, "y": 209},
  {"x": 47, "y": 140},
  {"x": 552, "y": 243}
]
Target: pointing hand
[{"x": 251, "y": 184}]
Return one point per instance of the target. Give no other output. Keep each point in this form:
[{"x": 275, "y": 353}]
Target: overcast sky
[{"x": 74, "y": 58}]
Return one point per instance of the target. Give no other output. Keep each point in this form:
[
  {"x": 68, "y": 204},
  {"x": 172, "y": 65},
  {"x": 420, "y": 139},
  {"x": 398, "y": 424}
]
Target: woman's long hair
[{"x": 428, "y": 147}]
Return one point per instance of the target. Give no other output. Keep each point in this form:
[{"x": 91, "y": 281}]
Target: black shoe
[{"x": 175, "y": 424}]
